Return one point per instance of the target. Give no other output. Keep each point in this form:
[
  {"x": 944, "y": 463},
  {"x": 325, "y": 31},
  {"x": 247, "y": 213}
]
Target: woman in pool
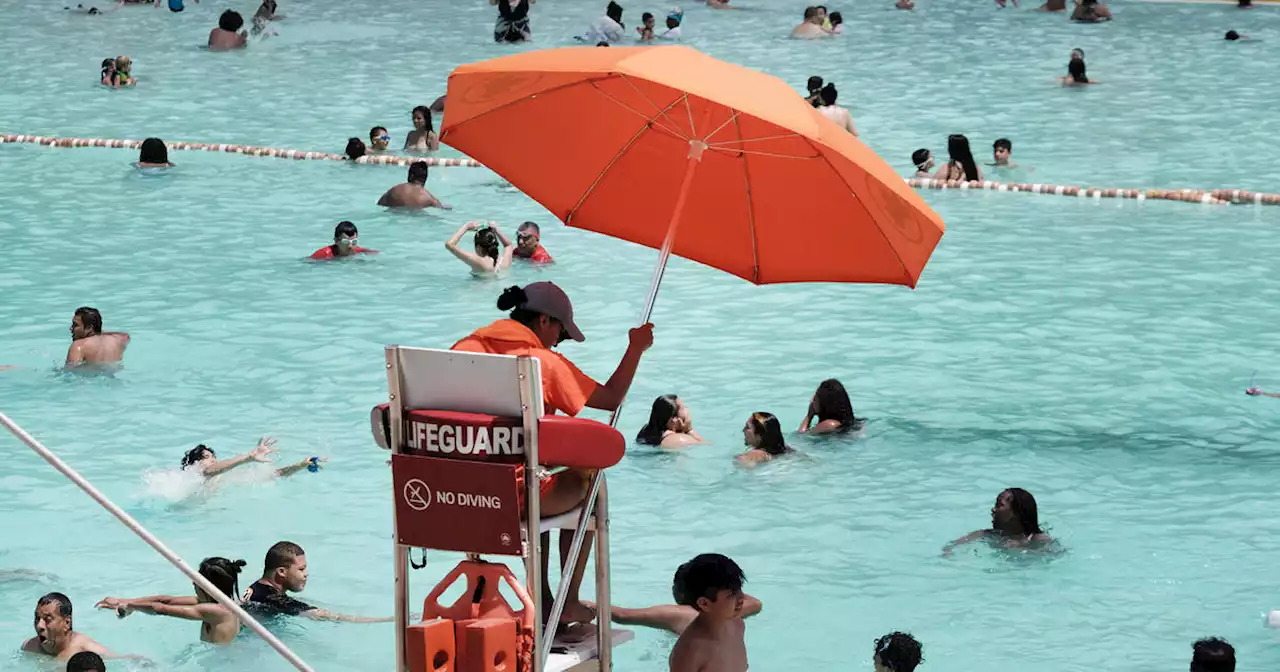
[
  {"x": 123, "y": 76},
  {"x": 1077, "y": 71},
  {"x": 512, "y": 24},
  {"x": 961, "y": 167},
  {"x": 206, "y": 461},
  {"x": 1015, "y": 523},
  {"x": 1089, "y": 11},
  {"x": 763, "y": 436},
  {"x": 423, "y": 137},
  {"x": 355, "y": 149},
  {"x": 217, "y": 624},
  {"x": 837, "y": 23},
  {"x": 153, "y": 154},
  {"x": 486, "y": 260},
  {"x": 108, "y": 77},
  {"x": 669, "y": 425},
  {"x": 897, "y": 652},
  {"x": 830, "y": 405}
]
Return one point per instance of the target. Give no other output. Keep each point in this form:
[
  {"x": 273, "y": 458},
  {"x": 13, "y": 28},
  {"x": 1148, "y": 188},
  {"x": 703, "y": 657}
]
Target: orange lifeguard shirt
[{"x": 565, "y": 388}]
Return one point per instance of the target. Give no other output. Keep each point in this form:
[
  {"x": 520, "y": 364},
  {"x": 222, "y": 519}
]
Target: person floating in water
[
  {"x": 1001, "y": 152},
  {"x": 1015, "y": 523},
  {"x": 108, "y": 77},
  {"x": 379, "y": 139},
  {"x": 670, "y": 425},
  {"x": 923, "y": 160},
  {"x": 529, "y": 246},
  {"x": 646, "y": 27},
  {"x": 123, "y": 75},
  {"x": 715, "y": 640},
  {"x": 285, "y": 571},
  {"x": 961, "y": 167},
  {"x": 838, "y": 115},
  {"x": 423, "y": 136},
  {"x": 355, "y": 149},
  {"x": 86, "y": 661},
  {"x": 763, "y": 437},
  {"x": 830, "y": 405},
  {"x": 207, "y": 463},
  {"x": 55, "y": 636},
  {"x": 608, "y": 28},
  {"x": 512, "y": 24},
  {"x": 1089, "y": 11},
  {"x": 218, "y": 624},
  {"x": 674, "y": 18},
  {"x": 1213, "y": 654},
  {"x": 89, "y": 343},
  {"x": 413, "y": 194},
  {"x": 897, "y": 652},
  {"x": 228, "y": 35},
  {"x": 487, "y": 260},
  {"x": 153, "y": 153},
  {"x": 345, "y": 237},
  {"x": 811, "y": 27}
]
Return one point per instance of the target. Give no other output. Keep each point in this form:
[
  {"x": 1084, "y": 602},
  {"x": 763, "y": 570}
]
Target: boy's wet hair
[
  {"x": 231, "y": 21},
  {"x": 90, "y": 318},
  {"x": 345, "y": 229},
  {"x": 196, "y": 454},
  {"x": 899, "y": 651},
  {"x": 373, "y": 132},
  {"x": 920, "y": 157},
  {"x": 282, "y": 554},
  {"x": 153, "y": 150},
  {"x": 1002, "y": 143},
  {"x": 1213, "y": 654},
  {"x": 705, "y": 576},
  {"x": 418, "y": 172},
  {"x": 86, "y": 661}
]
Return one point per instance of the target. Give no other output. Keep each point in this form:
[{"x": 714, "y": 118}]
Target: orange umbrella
[{"x": 635, "y": 142}]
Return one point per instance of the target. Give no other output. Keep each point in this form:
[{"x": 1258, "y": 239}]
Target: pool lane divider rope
[
  {"x": 247, "y": 150},
  {"x": 1207, "y": 196}
]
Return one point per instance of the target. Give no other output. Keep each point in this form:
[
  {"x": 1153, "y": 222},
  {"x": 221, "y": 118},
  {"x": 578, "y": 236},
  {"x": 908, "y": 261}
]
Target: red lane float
[{"x": 247, "y": 150}]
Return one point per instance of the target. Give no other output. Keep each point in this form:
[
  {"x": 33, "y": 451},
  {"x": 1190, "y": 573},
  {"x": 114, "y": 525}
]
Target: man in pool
[
  {"x": 89, "y": 343},
  {"x": 1001, "y": 151},
  {"x": 55, "y": 636},
  {"x": 285, "y": 571},
  {"x": 227, "y": 35},
  {"x": 1213, "y": 655},
  {"x": 1015, "y": 523},
  {"x": 923, "y": 159},
  {"x": 811, "y": 27},
  {"x": 379, "y": 138},
  {"x": 345, "y": 237},
  {"x": 529, "y": 246},
  {"x": 413, "y": 194}
]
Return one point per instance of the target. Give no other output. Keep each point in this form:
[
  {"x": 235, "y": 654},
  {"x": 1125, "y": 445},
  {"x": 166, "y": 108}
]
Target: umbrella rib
[
  {"x": 879, "y": 229},
  {"x": 660, "y": 110},
  {"x": 768, "y": 154},
  {"x": 751, "y": 213},
  {"x": 732, "y": 118},
  {"x": 785, "y": 136},
  {"x": 673, "y": 130},
  {"x": 616, "y": 157}
]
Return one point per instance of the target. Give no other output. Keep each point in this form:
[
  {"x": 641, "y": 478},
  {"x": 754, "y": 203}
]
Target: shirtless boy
[
  {"x": 54, "y": 634},
  {"x": 89, "y": 343},
  {"x": 715, "y": 640},
  {"x": 413, "y": 194}
]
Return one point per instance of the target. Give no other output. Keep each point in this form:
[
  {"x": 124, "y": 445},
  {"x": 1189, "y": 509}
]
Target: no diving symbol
[
  {"x": 417, "y": 495},
  {"x": 505, "y": 539}
]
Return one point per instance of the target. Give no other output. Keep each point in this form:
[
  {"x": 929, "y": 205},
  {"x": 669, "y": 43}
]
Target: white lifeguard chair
[{"x": 467, "y": 434}]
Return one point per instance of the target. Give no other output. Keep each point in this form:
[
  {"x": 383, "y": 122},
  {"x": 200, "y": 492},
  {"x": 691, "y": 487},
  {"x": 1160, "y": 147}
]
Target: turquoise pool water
[{"x": 1093, "y": 353}]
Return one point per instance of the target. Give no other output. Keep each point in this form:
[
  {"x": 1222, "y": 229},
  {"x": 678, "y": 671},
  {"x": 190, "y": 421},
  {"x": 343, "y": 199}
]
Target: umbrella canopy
[{"x": 624, "y": 141}]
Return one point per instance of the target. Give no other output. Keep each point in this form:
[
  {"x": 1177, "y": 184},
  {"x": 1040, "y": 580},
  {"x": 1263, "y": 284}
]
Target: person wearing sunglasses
[
  {"x": 529, "y": 245},
  {"x": 541, "y": 318},
  {"x": 345, "y": 237},
  {"x": 379, "y": 138}
]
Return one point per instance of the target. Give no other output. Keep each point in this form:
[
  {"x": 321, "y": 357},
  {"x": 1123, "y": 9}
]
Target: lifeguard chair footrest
[
  {"x": 566, "y": 657},
  {"x": 567, "y": 521}
]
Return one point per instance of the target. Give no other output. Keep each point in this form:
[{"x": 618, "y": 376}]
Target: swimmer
[
  {"x": 720, "y": 4},
  {"x": 379, "y": 138},
  {"x": 814, "y": 87},
  {"x": 207, "y": 463},
  {"x": 486, "y": 260},
  {"x": 1015, "y": 523},
  {"x": 1232, "y": 36},
  {"x": 267, "y": 11},
  {"x": 674, "y": 17},
  {"x": 413, "y": 194},
  {"x": 55, "y": 636},
  {"x": 153, "y": 154},
  {"x": 93, "y": 11},
  {"x": 1053, "y": 6},
  {"x": 897, "y": 652},
  {"x": 1244, "y": 4},
  {"x": 174, "y": 5},
  {"x": 830, "y": 405},
  {"x": 123, "y": 76},
  {"x": 1256, "y": 392},
  {"x": 715, "y": 640},
  {"x": 906, "y": 4},
  {"x": 228, "y": 35},
  {"x": 839, "y": 115},
  {"x": 345, "y": 237},
  {"x": 89, "y": 343},
  {"x": 961, "y": 167},
  {"x": 1213, "y": 654},
  {"x": 1089, "y": 11},
  {"x": 1001, "y": 151},
  {"x": 923, "y": 160},
  {"x": 218, "y": 625},
  {"x": 607, "y": 28},
  {"x": 670, "y": 425},
  {"x": 1077, "y": 74},
  {"x": 646, "y": 30},
  {"x": 528, "y": 245},
  {"x": 837, "y": 23},
  {"x": 423, "y": 137},
  {"x": 108, "y": 77},
  {"x": 355, "y": 149},
  {"x": 674, "y": 618},
  {"x": 86, "y": 661},
  {"x": 811, "y": 27},
  {"x": 826, "y": 20},
  {"x": 763, "y": 437},
  {"x": 285, "y": 571}
]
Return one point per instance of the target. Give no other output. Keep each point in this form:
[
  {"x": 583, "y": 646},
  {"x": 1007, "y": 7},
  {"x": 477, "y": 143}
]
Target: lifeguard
[{"x": 541, "y": 318}]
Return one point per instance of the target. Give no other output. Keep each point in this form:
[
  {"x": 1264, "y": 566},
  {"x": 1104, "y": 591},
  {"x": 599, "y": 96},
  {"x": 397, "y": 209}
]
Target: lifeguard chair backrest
[{"x": 450, "y": 380}]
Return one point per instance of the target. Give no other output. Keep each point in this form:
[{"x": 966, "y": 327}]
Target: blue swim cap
[{"x": 175, "y": 5}]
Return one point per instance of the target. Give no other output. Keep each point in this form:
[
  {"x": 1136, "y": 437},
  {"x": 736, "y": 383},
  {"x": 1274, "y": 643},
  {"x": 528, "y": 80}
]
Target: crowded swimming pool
[{"x": 1092, "y": 353}]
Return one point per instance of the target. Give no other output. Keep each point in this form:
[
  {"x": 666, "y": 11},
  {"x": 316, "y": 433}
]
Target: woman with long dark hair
[
  {"x": 423, "y": 136},
  {"x": 830, "y": 405},
  {"x": 1015, "y": 523},
  {"x": 670, "y": 425},
  {"x": 763, "y": 436},
  {"x": 961, "y": 167},
  {"x": 153, "y": 154},
  {"x": 486, "y": 260}
]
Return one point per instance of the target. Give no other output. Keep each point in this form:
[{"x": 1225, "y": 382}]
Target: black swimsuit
[{"x": 513, "y": 22}]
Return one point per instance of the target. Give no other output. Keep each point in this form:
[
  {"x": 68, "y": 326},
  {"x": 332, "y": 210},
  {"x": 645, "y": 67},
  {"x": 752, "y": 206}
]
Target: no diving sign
[{"x": 456, "y": 505}]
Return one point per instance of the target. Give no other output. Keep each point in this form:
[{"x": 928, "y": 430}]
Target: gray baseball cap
[{"x": 547, "y": 298}]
